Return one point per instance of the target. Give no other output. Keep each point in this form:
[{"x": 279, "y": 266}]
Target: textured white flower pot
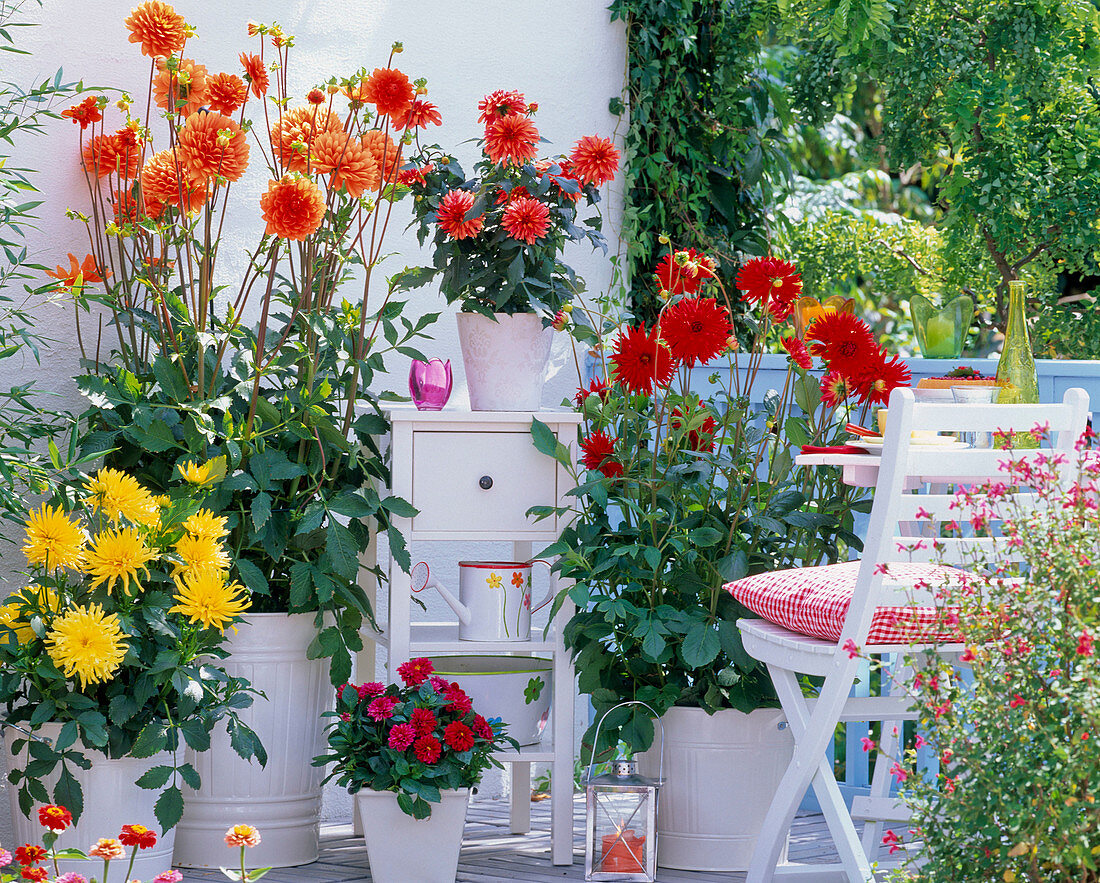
[
  {"x": 111, "y": 800},
  {"x": 283, "y": 800},
  {"x": 505, "y": 361},
  {"x": 402, "y": 849},
  {"x": 721, "y": 773}
]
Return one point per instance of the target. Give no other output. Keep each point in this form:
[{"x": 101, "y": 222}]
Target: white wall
[{"x": 564, "y": 54}]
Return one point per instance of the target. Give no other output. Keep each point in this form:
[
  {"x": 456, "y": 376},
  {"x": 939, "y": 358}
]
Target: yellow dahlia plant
[{"x": 116, "y": 636}]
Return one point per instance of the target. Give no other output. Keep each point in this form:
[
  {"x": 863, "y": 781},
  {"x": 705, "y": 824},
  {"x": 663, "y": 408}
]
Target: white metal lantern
[{"x": 621, "y": 817}]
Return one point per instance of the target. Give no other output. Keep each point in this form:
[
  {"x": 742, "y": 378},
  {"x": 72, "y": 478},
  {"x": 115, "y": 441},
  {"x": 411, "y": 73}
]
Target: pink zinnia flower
[
  {"x": 381, "y": 708},
  {"x": 401, "y": 737},
  {"x": 172, "y": 876},
  {"x": 242, "y": 835}
]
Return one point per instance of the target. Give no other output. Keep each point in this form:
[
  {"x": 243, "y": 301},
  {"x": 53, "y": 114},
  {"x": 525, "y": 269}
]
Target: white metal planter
[
  {"x": 720, "y": 774},
  {"x": 283, "y": 800},
  {"x": 111, "y": 800},
  {"x": 402, "y": 849},
  {"x": 505, "y": 360}
]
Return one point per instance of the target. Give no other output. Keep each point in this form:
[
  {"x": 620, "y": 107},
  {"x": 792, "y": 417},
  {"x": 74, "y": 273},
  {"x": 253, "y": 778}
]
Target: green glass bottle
[{"x": 1016, "y": 374}]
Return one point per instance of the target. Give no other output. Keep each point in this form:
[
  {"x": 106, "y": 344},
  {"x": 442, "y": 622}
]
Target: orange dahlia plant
[{"x": 271, "y": 368}]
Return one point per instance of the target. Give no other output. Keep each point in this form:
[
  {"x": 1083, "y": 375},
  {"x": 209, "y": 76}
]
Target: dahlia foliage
[
  {"x": 498, "y": 237},
  {"x": 181, "y": 371},
  {"x": 416, "y": 738},
  {"x": 687, "y": 484},
  {"x": 128, "y": 597}
]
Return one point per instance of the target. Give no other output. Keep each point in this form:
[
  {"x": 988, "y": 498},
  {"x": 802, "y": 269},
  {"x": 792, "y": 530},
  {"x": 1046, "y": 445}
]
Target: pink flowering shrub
[
  {"x": 415, "y": 738},
  {"x": 1015, "y": 796}
]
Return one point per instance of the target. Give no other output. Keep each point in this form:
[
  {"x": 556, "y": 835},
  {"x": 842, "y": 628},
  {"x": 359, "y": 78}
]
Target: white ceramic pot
[
  {"x": 721, "y": 771},
  {"x": 402, "y": 849},
  {"x": 505, "y": 360},
  {"x": 282, "y": 799},
  {"x": 111, "y": 800},
  {"x": 516, "y": 689}
]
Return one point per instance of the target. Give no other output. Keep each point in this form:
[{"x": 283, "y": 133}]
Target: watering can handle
[{"x": 550, "y": 594}]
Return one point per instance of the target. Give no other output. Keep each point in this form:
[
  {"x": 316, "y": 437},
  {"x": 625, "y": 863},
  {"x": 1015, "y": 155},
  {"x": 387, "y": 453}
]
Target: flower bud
[
  {"x": 663, "y": 239},
  {"x": 316, "y": 96}
]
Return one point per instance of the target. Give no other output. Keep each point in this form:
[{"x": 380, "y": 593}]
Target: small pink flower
[
  {"x": 899, "y": 772},
  {"x": 1084, "y": 644},
  {"x": 868, "y": 743},
  {"x": 381, "y": 708},
  {"x": 1016, "y": 701},
  {"x": 242, "y": 835},
  {"x": 891, "y": 839},
  {"x": 172, "y": 876},
  {"x": 401, "y": 737},
  {"x": 919, "y": 742},
  {"x": 5, "y": 858},
  {"x": 851, "y": 649},
  {"x": 345, "y": 716},
  {"x": 968, "y": 655},
  {"x": 74, "y": 877}
]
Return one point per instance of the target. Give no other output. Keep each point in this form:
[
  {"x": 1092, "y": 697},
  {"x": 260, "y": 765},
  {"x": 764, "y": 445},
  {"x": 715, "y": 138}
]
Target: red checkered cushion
[{"x": 814, "y": 601}]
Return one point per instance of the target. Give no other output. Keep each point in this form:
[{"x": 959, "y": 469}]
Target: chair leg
[
  {"x": 809, "y": 766},
  {"x": 889, "y": 740}
]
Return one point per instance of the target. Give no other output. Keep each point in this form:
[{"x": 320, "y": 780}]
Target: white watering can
[{"x": 494, "y": 602}]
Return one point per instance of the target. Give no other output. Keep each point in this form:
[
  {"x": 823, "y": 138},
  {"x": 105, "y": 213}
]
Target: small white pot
[
  {"x": 505, "y": 360},
  {"x": 111, "y": 800},
  {"x": 721, "y": 772},
  {"x": 282, "y": 799},
  {"x": 402, "y": 849},
  {"x": 516, "y": 689}
]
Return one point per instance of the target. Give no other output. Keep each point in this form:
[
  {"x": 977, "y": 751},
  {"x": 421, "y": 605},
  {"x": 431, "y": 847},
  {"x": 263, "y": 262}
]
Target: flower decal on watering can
[
  {"x": 533, "y": 691},
  {"x": 430, "y": 384},
  {"x": 494, "y": 581},
  {"x": 517, "y": 579}
]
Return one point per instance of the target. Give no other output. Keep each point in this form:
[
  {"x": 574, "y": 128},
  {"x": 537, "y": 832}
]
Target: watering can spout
[{"x": 422, "y": 579}]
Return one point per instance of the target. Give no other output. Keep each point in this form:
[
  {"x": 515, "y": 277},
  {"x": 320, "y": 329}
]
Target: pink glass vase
[{"x": 430, "y": 384}]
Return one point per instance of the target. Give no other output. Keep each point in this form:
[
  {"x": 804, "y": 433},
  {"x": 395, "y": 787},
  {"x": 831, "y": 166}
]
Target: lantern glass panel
[{"x": 622, "y": 834}]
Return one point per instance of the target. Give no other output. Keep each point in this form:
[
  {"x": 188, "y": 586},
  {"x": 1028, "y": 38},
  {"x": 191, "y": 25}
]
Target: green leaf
[
  {"x": 155, "y": 778},
  {"x": 67, "y": 793},
  {"x": 705, "y": 536},
  {"x": 152, "y": 738},
  {"x": 169, "y": 808},
  {"x": 700, "y": 645},
  {"x": 343, "y": 553},
  {"x": 252, "y": 577}
]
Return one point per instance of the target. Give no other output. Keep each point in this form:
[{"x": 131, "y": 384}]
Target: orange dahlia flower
[
  {"x": 165, "y": 181},
  {"x": 225, "y": 93},
  {"x": 526, "y": 219},
  {"x": 389, "y": 91},
  {"x": 157, "y": 27},
  {"x": 511, "y": 140},
  {"x": 451, "y": 215},
  {"x": 187, "y": 84},
  {"x": 293, "y": 207},
  {"x": 84, "y": 113},
  {"x": 301, "y": 126},
  {"x": 352, "y": 166},
  {"x": 501, "y": 103},
  {"x": 595, "y": 159},
  {"x": 78, "y": 273},
  {"x": 419, "y": 114},
  {"x": 211, "y": 144},
  {"x": 256, "y": 74},
  {"x": 386, "y": 154},
  {"x": 109, "y": 154},
  {"x": 124, "y": 207}
]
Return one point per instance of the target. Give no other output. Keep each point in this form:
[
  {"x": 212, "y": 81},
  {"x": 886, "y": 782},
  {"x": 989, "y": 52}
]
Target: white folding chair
[{"x": 911, "y": 484}]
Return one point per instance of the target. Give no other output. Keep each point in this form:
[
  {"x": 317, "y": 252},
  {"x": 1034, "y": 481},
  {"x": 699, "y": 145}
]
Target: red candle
[{"x": 623, "y": 854}]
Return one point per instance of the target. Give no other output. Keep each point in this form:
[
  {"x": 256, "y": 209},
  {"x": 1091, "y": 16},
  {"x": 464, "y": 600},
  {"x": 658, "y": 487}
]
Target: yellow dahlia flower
[
  {"x": 205, "y": 524},
  {"x": 199, "y": 552},
  {"x": 206, "y": 597},
  {"x": 118, "y": 554},
  {"x": 119, "y": 495},
  {"x": 87, "y": 643},
  {"x": 207, "y": 473},
  {"x": 53, "y": 539},
  {"x": 13, "y": 613}
]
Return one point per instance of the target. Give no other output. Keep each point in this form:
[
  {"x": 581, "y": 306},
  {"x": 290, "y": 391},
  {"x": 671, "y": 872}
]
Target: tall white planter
[
  {"x": 282, "y": 799},
  {"x": 505, "y": 361},
  {"x": 402, "y": 849},
  {"x": 721, "y": 771},
  {"x": 111, "y": 800}
]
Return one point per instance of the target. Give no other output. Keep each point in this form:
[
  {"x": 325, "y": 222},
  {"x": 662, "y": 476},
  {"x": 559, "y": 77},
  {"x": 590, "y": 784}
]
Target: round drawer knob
[{"x": 485, "y": 482}]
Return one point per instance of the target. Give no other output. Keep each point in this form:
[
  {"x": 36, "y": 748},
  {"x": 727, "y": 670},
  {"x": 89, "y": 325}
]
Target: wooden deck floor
[{"x": 490, "y": 853}]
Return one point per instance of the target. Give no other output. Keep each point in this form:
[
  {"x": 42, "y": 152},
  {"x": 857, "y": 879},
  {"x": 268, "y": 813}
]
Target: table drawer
[{"x": 449, "y": 469}]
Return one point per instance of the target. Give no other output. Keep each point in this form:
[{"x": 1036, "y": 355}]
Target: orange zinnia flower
[
  {"x": 352, "y": 165},
  {"x": 187, "y": 84},
  {"x": 165, "y": 181},
  {"x": 511, "y": 140},
  {"x": 301, "y": 126},
  {"x": 451, "y": 215},
  {"x": 212, "y": 144},
  {"x": 389, "y": 91},
  {"x": 386, "y": 154},
  {"x": 225, "y": 93},
  {"x": 78, "y": 273},
  {"x": 255, "y": 73},
  {"x": 157, "y": 27},
  {"x": 293, "y": 207},
  {"x": 108, "y": 154},
  {"x": 595, "y": 159},
  {"x": 85, "y": 113}
]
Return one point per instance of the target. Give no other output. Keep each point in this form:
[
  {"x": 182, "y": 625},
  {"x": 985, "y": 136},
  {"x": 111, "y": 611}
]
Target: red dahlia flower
[
  {"x": 880, "y": 378},
  {"x": 381, "y": 708},
  {"x": 459, "y": 736},
  {"x": 415, "y": 672},
  {"x": 686, "y": 277},
  {"x": 482, "y": 728},
  {"x": 423, "y": 721},
  {"x": 843, "y": 342},
  {"x": 511, "y": 140},
  {"x": 419, "y": 114},
  {"x": 772, "y": 283},
  {"x": 641, "y": 359},
  {"x": 452, "y": 215},
  {"x": 30, "y": 855},
  {"x": 427, "y": 749},
  {"x": 460, "y": 703},
  {"x": 389, "y": 91},
  {"x": 835, "y": 388},
  {"x": 598, "y": 452},
  {"x": 596, "y": 388},
  {"x": 85, "y": 113},
  {"x": 696, "y": 329},
  {"x": 501, "y": 103},
  {"x": 526, "y": 219},
  {"x": 401, "y": 737},
  {"x": 595, "y": 159},
  {"x": 796, "y": 349}
]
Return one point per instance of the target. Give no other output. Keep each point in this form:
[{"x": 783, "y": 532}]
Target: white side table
[{"x": 473, "y": 476}]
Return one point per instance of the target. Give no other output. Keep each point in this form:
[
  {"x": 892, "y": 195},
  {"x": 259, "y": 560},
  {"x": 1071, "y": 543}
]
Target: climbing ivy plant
[{"x": 705, "y": 122}]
